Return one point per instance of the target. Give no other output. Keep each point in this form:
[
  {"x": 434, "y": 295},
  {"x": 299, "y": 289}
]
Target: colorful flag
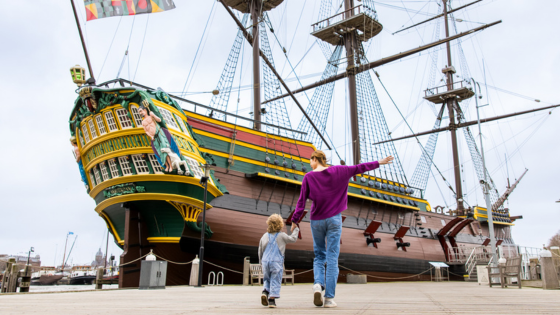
[{"x": 97, "y": 9}]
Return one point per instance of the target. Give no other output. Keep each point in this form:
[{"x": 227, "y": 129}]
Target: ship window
[
  {"x": 104, "y": 172},
  {"x": 195, "y": 167},
  {"x": 123, "y": 118},
  {"x": 155, "y": 164},
  {"x": 136, "y": 115},
  {"x": 111, "y": 121},
  {"x": 81, "y": 139},
  {"x": 92, "y": 180},
  {"x": 443, "y": 222},
  {"x": 125, "y": 166},
  {"x": 168, "y": 118},
  {"x": 114, "y": 169},
  {"x": 97, "y": 177},
  {"x": 100, "y": 125},
  {"x": 186, "y": 128},
  {"x": 401, "y": 216},
  {"x": 423, "y": 218},
  {"x": 140, "y": 164},
  {"x": 93, "y": 130},
  {"x": 86, "y": 133}
]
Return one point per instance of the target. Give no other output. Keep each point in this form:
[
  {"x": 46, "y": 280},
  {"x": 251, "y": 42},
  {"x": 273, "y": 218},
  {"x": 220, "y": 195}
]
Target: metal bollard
[
  {"x": 209, "y": 276},
  {"x": 218, "y": 279},
  {"x": 25, "y": 279}
]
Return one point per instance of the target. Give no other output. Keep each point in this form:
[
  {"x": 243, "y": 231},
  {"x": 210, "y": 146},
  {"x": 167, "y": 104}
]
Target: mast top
[
  {"x": 361, "y": 18},
  {"x": 244, "y": 6}
]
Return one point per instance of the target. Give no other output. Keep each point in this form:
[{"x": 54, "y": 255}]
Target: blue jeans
[{"x": 326, "y": 244}]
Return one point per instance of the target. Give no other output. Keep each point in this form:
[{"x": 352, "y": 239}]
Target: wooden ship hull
[{"x": 256, "y": 174}]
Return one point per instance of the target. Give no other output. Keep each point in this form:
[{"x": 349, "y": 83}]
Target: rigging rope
[
  {"x": 199, "y": 44},
  {"x": 141, "y": 47},
  {"x": 110, "y": 46}
]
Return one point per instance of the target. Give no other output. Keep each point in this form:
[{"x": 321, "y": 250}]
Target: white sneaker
[
  {"x": 330, "y": 302},
  {"x": 317, "y": 297}
]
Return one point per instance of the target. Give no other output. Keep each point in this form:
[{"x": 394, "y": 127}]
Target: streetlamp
[
  {"x": 484, "y": 182},
  {"x": 203, "y": 182},
  {"x": 31, "y": 250}
]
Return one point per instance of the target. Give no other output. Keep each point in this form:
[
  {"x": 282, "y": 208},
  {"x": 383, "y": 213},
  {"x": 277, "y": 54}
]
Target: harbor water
[{"x": 62, "y": 288}]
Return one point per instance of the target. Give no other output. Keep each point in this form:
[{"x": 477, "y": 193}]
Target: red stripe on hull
[{"x": 273, "y": 144}]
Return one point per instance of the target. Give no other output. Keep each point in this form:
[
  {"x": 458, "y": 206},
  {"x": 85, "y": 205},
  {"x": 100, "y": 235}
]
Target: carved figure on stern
[{"x": 160, "y": 139}]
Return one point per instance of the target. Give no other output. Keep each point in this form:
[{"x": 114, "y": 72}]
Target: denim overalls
[{"x": 272, "y": 266}]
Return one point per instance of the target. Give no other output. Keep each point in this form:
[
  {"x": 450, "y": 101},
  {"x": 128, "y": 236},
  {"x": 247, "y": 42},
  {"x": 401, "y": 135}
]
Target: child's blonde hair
[{"x": 275, "y": 223}]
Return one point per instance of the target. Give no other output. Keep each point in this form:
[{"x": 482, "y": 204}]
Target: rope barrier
[
  {"x": 130, "y": 262},
  {"x": 386, "y": 278},
  {"x": 223, "y": 267},
  {"x": 173, "y": 262},
  {"x": 299, "y": 273}
]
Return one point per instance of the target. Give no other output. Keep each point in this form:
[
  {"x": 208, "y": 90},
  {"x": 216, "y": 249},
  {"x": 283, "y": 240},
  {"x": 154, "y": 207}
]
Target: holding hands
[
  {"x": 387, "y": 160},
  {"x": 293, "y": 226}
]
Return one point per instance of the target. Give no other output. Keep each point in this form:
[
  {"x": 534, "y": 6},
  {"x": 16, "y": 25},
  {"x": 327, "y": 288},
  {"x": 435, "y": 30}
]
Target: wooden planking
[{"x": 372, "y": 298}]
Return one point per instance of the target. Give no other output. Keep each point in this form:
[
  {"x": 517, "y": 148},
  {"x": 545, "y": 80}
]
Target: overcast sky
[{"x": 40, "y": 188}]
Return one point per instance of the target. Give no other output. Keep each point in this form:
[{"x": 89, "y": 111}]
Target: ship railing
[
  {"x": 466, "y": 254},
  {"x": 443, "y": 88},
  {"x": 344, "y": 15},
  {"x": 527, "y": 254},
  {"x": 271, "y": 128}
]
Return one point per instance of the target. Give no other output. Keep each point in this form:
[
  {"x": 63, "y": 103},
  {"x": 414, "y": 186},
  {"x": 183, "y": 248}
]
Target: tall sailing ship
[{"x": 142, "y": 156}]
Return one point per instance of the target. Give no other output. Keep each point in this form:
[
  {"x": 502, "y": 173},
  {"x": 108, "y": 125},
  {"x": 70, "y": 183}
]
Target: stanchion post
[
  {"x": 246, "y": 270},
  {"x": 204, "y": 182},
  {"x": 99, "y": 278}
]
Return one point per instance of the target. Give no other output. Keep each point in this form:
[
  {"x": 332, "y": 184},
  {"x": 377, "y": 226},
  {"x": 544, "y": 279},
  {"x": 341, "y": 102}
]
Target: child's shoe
[
  {"x": 272, "y": 303},
  {"x": 264, "y": 298},
  {"x": 317, "y": 297}
]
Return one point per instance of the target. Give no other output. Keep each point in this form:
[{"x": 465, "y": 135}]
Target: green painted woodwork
[
  {"x": 123, "y": 96},
  {"x": 122, "y": 189},
  {"x": 249, "y": 153},
  {"x": 184, "y": 189},
  {"x": 117, "y": 144},
  {"x": 197, "y": 227}
]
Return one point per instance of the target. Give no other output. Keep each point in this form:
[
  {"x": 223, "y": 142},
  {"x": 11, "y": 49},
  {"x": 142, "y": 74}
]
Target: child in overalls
[{"x": 271, "y": 257}]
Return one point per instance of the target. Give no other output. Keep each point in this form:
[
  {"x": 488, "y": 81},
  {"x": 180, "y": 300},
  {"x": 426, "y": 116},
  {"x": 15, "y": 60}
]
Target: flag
[
  {"x": 70, "y": 233},
  {"x": 97, "y": 9}
]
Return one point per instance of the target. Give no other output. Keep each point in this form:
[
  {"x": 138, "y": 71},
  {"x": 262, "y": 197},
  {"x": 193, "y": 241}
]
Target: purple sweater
[{"x": 328, "y": 189}]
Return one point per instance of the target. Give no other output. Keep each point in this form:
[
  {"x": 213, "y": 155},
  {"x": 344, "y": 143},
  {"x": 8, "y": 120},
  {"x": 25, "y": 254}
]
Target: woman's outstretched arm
[{"x": 354, "y": 170}]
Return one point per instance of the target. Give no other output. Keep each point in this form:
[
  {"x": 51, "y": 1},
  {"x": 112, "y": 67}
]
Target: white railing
[{"x": 466, "y": 254}]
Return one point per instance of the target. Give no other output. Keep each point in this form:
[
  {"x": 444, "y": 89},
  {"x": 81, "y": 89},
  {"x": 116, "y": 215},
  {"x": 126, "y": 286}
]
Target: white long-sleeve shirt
[{"x": 281, "y": 240}]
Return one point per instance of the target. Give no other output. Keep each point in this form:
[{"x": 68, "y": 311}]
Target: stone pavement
[{"x": 372, "y": 298}]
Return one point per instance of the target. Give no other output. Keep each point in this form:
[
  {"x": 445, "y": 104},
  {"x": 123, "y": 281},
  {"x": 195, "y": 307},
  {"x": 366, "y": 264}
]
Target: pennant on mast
[{"x": 97, "y": 9}]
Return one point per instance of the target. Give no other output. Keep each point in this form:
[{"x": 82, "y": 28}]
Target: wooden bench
[
  {"x": 257, "y": 274},
  {"x": 512, "y": 269}
]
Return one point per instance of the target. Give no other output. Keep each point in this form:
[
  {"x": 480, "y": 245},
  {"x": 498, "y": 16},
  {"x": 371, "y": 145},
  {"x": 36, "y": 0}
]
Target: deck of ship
[{"x": 372, "y": 298}]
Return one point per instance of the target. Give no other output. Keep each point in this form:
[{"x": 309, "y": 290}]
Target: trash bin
[{"x": 153, "y": 275}]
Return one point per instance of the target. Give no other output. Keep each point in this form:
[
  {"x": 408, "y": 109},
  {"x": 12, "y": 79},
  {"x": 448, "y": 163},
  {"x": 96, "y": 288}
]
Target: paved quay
[{"x": 372, "y": 298}]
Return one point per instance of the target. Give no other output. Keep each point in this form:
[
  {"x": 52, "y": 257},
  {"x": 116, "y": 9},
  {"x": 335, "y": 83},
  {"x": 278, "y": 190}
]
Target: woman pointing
[{"x": 327, "y": 187}]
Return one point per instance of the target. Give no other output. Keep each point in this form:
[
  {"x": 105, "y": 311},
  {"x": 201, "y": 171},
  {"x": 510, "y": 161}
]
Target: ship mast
[
  {"x": 450, "y": 102},
  {"x": 350, "y": 43},
  {"x": 255, "y": 14}
]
